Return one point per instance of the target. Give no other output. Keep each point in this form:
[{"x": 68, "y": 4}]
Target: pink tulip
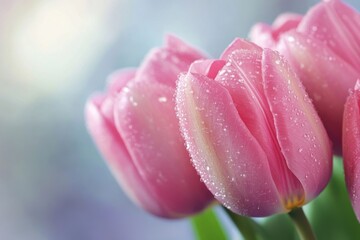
[
  {"x": 324, "y": 49},
  {"x": 252, "y": 132},
  {"x": 268, "y": 36},
  {"x": 135, "y": 128},
  {"x": 351, "y": 148}
]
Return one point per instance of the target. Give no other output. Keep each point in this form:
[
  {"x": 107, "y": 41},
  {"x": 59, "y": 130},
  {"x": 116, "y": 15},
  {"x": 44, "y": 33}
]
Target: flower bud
[
  {"x": 252, "y": 132},
  {"x": 135, "y": 128}
]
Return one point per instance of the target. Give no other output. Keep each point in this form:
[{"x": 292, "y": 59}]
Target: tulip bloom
[
  {"x": 323, "y": 47},
  {"x": 135, "y": 128},
  {"x": 351, "y": 148},
  {"x": 252, "y": 132}
]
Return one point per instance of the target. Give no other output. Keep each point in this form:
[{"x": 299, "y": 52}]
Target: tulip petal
[
  {"x": 301, "y": 135},
  {"x": 176, "y": 45},
  {"x": 118, "y": 80},
  {"x": 267, "y": 36},
  {"x": 245, "y": 88},
  {"x": 237, "y": 44},
  {"x": 163, "y": 65},
  {"x": 261, "y": 34},
  {"x": 208, "y": 67},
  {"x": 117, "y": 157},
  {"x": 285, "y": 22},
  {"x": 351, "y": 149},
  {"x": 242, "y": 77},
  {"x": 224, "y": 152},
  {"x": 337, "y": 25},
  {"x": 147, "y": 123},
  {"x": 324, "y": 76},
  {"x": 350, "y": 18}
]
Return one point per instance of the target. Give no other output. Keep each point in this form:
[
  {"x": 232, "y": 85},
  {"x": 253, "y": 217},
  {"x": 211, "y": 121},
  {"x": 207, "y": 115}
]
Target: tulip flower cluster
[
  {"x": 254, "y": 129},
  {"x": 323, "y": 47}
]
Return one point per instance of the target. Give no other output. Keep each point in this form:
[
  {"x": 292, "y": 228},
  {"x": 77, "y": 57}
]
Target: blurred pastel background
[{"x": 53, "y": 55}]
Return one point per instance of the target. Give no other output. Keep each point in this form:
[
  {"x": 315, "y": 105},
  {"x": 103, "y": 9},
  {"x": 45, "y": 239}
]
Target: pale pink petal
[
  {"x": 301, "y": 135},
  {"x": 267, "y": 36},
  {"x": 242, "y": 77},
  {"x": 147, "y": 123},
  {"x": 118, "y": 80},
  {"x": 349, "y": 16},
  {"x": 163, "y": 65},
  {"x": 176, "y": 45},
  {"x": 224, "y": 152},
  {"x": 117, "y": 157},
  {"x": 209, "y": 67},
  {"x": 351, "y": 149},
  {"x": 337, "y": 25},
  {"x": 261, "y": 34},
  {"x": 237, "y": 44},
  {"x": 326, "y": 77},
  {"x": 285, "y": 22}
]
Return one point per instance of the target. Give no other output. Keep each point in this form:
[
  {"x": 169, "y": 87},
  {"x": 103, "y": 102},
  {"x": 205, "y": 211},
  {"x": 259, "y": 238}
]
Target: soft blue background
[{"x": 53, "y": 55}]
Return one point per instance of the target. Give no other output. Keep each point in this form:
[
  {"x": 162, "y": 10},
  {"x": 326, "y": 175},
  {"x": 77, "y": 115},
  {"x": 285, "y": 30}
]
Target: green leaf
[
  {"x": 207, "y": 226},
  {"x": 248, "y": 227},
  {"x": 279, "y": 227},
  {"x": 331, "y": 214}
]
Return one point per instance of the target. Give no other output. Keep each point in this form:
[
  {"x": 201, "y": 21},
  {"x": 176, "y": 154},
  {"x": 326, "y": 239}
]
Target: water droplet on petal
[{"x": 162, "y": 99}]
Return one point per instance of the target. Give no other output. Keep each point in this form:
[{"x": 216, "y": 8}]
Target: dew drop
[
  {"x": 162, "y": 99},
  {"x": 291, "y": 39},
  {"x": 132, "y": 100}
]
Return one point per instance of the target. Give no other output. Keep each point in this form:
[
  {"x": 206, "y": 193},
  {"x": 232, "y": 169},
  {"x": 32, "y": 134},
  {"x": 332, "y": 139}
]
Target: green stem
[
  {"x": 302, "y": 225},
  {"x": 247, "y": 226},
  {"x": 207, "y": 226}
]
